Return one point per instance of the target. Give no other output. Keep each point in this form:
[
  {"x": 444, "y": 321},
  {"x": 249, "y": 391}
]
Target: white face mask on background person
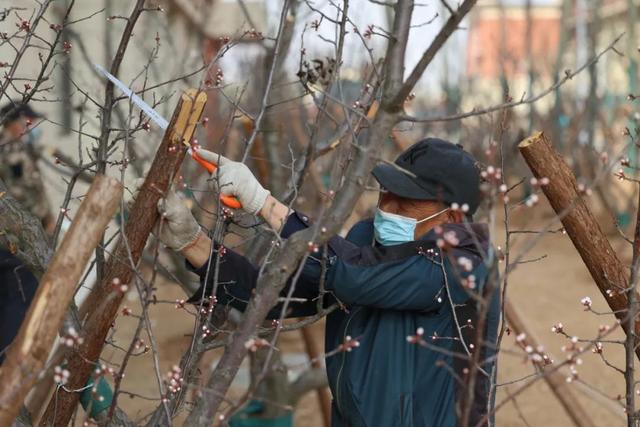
[
  {"x": 33, "y": 135},
  {"x": 393, "y": 229}
]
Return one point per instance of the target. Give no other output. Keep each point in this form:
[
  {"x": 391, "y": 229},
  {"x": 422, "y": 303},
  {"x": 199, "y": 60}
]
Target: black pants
[{"x": 17, "y": 288}]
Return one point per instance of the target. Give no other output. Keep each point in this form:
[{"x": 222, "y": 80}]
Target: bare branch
[{"x": 435, "y": 46}]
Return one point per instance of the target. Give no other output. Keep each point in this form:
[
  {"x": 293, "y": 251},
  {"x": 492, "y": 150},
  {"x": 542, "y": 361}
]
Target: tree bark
[
  {"x": 22, "y": 420},
  {"x": 28, "y": 353},
  {"x": 554, "y": 378},
  {"x": 273, "y": 386},
  {"x": 126, "y": 255},
  {"x": 311, "y": 379},
  {"x": 314, "y": 353},
  {"x": 610, "y": 275},
  {"x": 21, "y": 233}
]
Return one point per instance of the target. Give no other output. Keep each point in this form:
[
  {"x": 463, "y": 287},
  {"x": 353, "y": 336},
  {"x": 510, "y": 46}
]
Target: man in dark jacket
[{"x": 414, "y": 285}]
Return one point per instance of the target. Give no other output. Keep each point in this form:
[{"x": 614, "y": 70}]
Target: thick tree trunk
[
  {"x": 28, "y": 353},
  {"x": 126, "y": 255},
  {"x": 609, "y": 273}
]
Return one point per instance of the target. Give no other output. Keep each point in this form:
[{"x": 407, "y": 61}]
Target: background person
[
  {"x": 19, "y": 172},
  {"x": 19, "y": 153}
]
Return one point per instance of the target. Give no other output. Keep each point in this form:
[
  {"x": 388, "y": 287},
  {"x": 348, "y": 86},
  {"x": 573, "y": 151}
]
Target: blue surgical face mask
[
  {"x": 33, "y": 135},
  {"x": 392, "y": 229}
]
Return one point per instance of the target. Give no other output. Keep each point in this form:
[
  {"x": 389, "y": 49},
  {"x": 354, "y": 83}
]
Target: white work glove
[
  {"x": 235, "y": 178},
  {"x": 177, "y": 227}
]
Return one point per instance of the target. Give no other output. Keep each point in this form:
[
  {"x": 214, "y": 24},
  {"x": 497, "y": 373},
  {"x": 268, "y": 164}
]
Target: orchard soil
[{"x": 545, "y": 292}]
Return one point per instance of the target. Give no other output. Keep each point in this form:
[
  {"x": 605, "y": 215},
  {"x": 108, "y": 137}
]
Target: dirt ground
[{"x": 544, "y": 292}]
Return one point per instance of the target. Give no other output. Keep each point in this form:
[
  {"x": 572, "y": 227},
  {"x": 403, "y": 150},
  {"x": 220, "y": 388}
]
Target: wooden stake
[
  {"x": 126, "y": 255},
  {"x": 28, "y": 353},
  {"x": 610, "y": 275},
  {"x": 555, "y": 379}
]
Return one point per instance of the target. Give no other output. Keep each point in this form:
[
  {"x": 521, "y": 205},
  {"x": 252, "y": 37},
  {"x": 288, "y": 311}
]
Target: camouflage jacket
[{"x": 19, "y": 171}]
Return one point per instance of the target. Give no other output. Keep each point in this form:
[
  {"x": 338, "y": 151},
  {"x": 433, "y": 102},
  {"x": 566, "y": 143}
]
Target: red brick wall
[{"x": 483, "y": 51}]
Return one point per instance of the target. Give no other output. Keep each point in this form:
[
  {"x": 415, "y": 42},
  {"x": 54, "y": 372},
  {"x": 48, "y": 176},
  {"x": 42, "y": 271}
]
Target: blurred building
[
  {"x": 500, "y": 43},
  {"x": 503, "y": 35},
  {"x": 619, "y": 74},
  {"x": 617, "y": 8},
  {"x": 498, "y": 40}
]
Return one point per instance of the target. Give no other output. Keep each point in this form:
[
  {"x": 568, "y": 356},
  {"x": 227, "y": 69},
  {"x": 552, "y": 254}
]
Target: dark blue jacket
[
  {"x": 17, "y": 288},
  {"x": 387, "y": 294}
]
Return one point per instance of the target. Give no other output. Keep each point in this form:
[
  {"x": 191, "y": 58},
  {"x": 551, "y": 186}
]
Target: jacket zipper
[{"x": 344, "y": 356}]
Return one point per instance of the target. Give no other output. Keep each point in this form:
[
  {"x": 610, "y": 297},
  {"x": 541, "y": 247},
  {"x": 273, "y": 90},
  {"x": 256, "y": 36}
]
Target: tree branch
[
  {"x": 591, "y": 243},
  {"x": 126, "y": 255},
  {"x": 28, "y": 353},
  {"x": 435, "y": 46},
  {"x": 286, "y": 257},
  {"x": 21, "y": 233},
  {"x": 311, "y": 379}
]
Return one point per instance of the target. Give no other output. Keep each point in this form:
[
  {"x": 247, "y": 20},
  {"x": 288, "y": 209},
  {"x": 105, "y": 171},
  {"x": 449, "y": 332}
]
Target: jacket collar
[{"x": 471, "y": 236}]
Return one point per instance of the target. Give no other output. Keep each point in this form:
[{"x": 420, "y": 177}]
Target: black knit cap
[
  {"x": 14, "y": 110},
  {"x": 443, "y": 171}
]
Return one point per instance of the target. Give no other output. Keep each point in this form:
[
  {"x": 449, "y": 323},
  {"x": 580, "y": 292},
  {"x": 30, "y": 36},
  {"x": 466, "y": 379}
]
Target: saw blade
[{"x": 146, "y": 108}]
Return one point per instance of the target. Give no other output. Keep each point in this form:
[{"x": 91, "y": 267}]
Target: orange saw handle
[{"x": 229, "y": 201}]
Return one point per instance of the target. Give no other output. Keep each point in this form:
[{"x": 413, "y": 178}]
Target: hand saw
[{"x": 229, "y": 201}]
